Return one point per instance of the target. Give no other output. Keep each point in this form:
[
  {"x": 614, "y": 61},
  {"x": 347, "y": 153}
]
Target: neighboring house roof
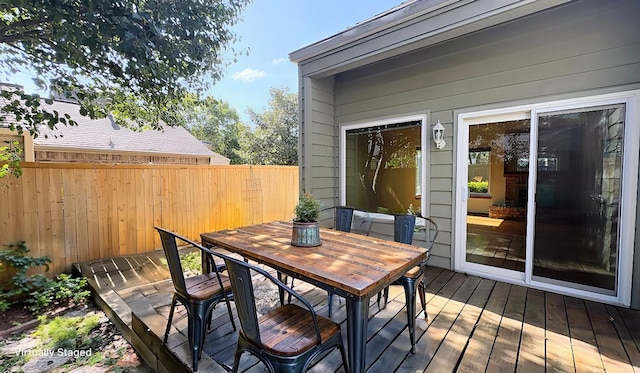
[
  {"x": 104, "y": 135},
  {"x": 408, "y": 26}
]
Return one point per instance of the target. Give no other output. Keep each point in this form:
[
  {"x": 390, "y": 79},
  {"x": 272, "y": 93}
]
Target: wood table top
[{"x": 356, "y": 265}]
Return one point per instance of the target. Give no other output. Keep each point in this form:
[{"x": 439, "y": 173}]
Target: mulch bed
[{"x": 13, "y": 318}]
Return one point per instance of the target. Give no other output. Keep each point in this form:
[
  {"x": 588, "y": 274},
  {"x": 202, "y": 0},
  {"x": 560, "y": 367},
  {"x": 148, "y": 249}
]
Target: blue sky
[{"x": 270, "y": 30}]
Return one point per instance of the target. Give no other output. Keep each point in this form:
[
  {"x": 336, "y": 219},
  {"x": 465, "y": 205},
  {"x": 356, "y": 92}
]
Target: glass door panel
[
  {"x": 578, "y": 185},
  {"x": 497, "y": 205}
]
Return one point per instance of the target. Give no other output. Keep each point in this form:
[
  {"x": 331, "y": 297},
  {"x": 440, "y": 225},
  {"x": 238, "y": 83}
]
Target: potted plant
[{"x": 306, "y": 229}]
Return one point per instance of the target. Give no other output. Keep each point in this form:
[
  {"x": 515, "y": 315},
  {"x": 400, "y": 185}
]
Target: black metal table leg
[{"x": 357, "y": 319}]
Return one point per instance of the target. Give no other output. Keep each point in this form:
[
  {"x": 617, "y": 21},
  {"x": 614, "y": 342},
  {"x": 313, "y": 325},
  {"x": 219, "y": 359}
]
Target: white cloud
[
  {"x": 248, "y": 75},
  {"x": 278, "y": 61}
]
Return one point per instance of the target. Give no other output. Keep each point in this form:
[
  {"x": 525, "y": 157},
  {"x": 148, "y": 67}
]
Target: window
[
  {"x": 383, "y": 165},
  {"x": 479, "y": 171}
]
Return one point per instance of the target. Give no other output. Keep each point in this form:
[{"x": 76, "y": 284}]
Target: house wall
[
  {"x": 578, "y": 49},
  {"x": 319, "y": 145}
]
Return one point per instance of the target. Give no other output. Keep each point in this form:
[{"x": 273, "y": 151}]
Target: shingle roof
[{"x": 105, "y": 135}]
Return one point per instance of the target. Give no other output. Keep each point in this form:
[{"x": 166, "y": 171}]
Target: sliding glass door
[
  {"x": 543, "y": 193},
  {"x": 578, "y": 189}
]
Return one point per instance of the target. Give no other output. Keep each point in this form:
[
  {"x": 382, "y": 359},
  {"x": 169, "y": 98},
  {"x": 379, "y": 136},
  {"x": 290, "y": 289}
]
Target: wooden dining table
[{"x": 353, "y": 266}]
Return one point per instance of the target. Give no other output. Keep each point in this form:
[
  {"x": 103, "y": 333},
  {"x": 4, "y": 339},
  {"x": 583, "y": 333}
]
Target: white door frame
[{"x": 631, "y": 142}]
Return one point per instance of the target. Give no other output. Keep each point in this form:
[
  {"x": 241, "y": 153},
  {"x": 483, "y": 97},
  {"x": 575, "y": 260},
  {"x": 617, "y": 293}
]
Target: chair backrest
[
  {"x": 241, "y": 276},
  {"x": 343, "y": 218},
  {"x": 170, "y": 247},
  {"x": 361, "y": 223},
  {"x": 403, "y": 226},
  {"x": 244, "y": 298},
  {"x": 432, "y": 231}
]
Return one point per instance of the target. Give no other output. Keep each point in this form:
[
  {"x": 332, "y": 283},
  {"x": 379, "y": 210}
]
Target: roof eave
[
  {"x": 410, "y": 11},
  {"x": 399, "y": 14}
]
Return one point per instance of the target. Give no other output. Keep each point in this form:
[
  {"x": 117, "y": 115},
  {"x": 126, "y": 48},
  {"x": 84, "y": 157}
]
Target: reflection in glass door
[
  {"x": 497, "y": 181},
  {"x": 578, "y": 186}
]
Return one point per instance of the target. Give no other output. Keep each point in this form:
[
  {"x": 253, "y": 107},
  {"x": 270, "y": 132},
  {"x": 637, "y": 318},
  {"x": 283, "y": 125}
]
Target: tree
[
  {"x": 275, "y": 139},
  {"x": 217, "y": 123},
  {"x": 134, "y": 59}
]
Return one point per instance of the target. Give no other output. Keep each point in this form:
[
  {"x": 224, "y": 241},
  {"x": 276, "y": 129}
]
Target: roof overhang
[{"x": 412, "y": 25}]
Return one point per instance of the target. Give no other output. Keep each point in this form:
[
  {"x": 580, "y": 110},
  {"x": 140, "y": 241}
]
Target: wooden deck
[{"x": 473, "y": 325}]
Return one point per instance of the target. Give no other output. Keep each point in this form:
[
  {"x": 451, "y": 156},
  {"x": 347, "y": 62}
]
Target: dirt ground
[{"x": 108, "y": 351}]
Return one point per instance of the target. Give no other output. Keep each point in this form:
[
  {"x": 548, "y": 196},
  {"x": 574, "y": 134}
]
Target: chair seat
[
  {"x": 206, "y": 286},
  {"x": 289, "y": 331},
  {"x": 414, "y": 272}
]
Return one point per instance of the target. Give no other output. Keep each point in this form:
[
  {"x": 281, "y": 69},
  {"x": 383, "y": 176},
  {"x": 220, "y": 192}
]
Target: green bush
[
  {"x": 39, "y": 291},
  {"x": 191, "y": 262},
  {"x": 62, "y": 288},
  {"x": 19, "y": 285},
  {"x": 478, "y": 186}
]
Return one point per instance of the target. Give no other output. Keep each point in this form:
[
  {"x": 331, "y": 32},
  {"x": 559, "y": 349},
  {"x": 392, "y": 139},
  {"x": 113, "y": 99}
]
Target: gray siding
[
  {"x": 578, "y": 49},
  {"x": 319, "y": 162}
]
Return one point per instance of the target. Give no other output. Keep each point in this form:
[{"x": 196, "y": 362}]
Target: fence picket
[{"x": 72, "y": 212}]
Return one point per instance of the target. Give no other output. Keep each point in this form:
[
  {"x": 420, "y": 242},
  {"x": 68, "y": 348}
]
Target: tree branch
[{"x": 25, "y": 24}]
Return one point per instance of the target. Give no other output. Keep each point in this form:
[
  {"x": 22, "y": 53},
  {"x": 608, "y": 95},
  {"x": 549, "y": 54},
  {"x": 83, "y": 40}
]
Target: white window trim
[
  {"x": 631, "y": 142},
  {"x": 424, "y": 144}
]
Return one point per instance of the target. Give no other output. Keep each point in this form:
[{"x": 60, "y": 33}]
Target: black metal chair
[
  {"x": 413, "y": 280},
  {"x": 285, "y": 339},
  {"x": 198, "y": 294},
  {"x": 343, "y": 216}
]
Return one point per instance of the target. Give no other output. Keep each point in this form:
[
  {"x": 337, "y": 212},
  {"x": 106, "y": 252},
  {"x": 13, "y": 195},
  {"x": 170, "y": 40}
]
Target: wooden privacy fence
[{"x": 80, "y": 212}]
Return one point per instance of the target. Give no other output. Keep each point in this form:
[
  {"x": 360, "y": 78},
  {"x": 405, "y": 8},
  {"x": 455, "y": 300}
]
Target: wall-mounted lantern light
[{"x": 438, "y": 135}]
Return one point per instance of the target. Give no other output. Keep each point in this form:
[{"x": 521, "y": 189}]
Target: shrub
[
  {"x": 478, "y": 186},
  {"x": 19, "y": 285},
  {"x": 41, "y": 291},
  {"x": 62, "y": 288},
  {"x": 191, "y": 262}
]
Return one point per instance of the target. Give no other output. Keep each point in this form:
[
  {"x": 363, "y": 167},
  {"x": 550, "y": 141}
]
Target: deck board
[
  {"x": 632, "y": 349},
  {"x": 611, "y": 349},
  {"x": 472, "y": 325},
  {"x": 532, "y": 341},
  {"x": 481, "y": 342},
  {"x": 439, "y": 335},
  {"x": 447, "y": 356},
  {"x": 586, "y": 356},
  {"x": 504, "y": 354},
  {"x": 559, "y": 352}
]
